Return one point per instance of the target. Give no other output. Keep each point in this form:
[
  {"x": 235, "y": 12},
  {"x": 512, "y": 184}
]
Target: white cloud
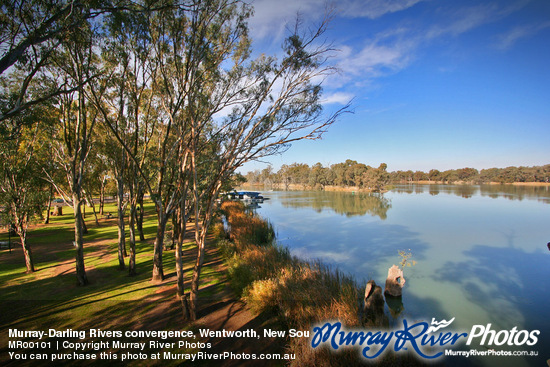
[
  {"x": 271, "y": 18},
  {"x": 459, "y": 21},
  {"x": 392, "y": 50},
  {"x": 389, "y": 50},
  {"x": 374, "y": 8},
  {"x": 507, "y": 40},
  {"x": 375, "y": 59},
  {"x": 338, "y": 98}
]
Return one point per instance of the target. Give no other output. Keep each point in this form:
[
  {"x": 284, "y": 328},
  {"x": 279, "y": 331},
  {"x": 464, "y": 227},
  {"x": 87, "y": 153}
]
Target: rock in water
[
  {"x": 394, "y": 282},
  {"x": 373, "y": 297},
  {"x": 374, "y": 304}
]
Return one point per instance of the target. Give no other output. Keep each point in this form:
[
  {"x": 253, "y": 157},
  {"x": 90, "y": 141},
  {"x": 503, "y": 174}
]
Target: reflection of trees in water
[
  {"x": 343, "y": 203},
  {"x": 511, "y": 192}
]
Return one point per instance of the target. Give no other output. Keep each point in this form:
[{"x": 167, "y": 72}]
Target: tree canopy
[{"x": 162, "y": 97}]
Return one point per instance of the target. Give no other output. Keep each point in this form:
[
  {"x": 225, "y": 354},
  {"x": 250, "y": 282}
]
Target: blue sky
[{"x": 435, "y": 83}]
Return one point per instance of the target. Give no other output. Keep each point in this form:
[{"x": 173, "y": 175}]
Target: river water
[{"x": 481, "y": 251}]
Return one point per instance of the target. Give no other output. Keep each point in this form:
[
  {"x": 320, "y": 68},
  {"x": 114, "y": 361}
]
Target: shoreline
[
  {"x": 477, "y": 184},
  {"x": 331, "y": 188}
]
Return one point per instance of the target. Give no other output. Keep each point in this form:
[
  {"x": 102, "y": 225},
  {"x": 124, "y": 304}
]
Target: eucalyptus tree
[
  {"x": 111, "y": 100},
  {"x": 319, "y": 176},
  {"x": 375, "y": 179},
  {"x": 76, "y": 65},
  {"x": 218, "y": 108},
  {"x": 145, "y": 54},
  {"x": 176, "y": 59},
  {"x": 96, "y": 174},
  {"x": 273, "y": 103},
  {"x": 32, "y": 31},
  {"x": 22, "y": 190},
  {"x": 192, "y": 43},
  {"x": 124, "y": 97}
]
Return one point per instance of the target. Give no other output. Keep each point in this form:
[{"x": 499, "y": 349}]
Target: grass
[
  {"x": 302, "y": 293},
  {"x": 50, "y": 297}
]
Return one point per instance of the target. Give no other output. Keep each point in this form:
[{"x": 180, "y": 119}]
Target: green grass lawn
[{"x": 50, "y": 297}]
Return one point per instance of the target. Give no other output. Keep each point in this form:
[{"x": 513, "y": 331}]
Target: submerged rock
[
  {"x": 394, "y": 282},
  {"x": 395, "y": 305},
  {"x": 374, "y": 304}
]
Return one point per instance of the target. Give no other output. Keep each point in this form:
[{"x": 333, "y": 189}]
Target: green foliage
[
  {"x": 22, "y": 192},
  {"x": 353, "y": 174},
  {"x": 471, "y": 175},
  {"x": 347, "y": 174},
  {"x": 406, "y": 259}
]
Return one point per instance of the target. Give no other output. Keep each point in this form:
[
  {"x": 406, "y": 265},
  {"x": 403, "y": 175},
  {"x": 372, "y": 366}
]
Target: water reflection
[
  {"x": 512, "y": 192},
  {"x": 479, "y": 260},
  {"x": 342, "y": 203},
  {"x": 509, "y": 282}
]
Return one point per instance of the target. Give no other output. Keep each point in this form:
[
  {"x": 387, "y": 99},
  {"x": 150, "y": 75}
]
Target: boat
[{"x": 249, "y": 196}]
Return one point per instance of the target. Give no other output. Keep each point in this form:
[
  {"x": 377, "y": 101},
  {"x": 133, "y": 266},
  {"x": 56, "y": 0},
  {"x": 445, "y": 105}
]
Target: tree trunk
[
  {"x": 84, "y": 227},
  {"x": 132, "y": 260},
  {"x": 20, "y": 230},
  {"x": 179, "y": 263},
  {"x": 180, "y": 225},
  {"x": 180, "y": 284},
  {"x": 79, "y": 241},
  {"x": 200, "y": 237},
  {"x": 49, "y": 207},
  {"x": 196, "y": 274},
  {"x": 102, "y": 196},
  {"x": 28, "y": 253},
  {"x": 121, "y": 230},
  {"x": 158, "y": 271},
  {"x": 90, "y": 201},
  {"x": 175, "y": 229},
  {"x": 139, "y": 217}
]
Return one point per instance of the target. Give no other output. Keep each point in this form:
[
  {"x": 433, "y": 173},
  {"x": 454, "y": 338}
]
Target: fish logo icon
[{"x": 439, "y": 325}]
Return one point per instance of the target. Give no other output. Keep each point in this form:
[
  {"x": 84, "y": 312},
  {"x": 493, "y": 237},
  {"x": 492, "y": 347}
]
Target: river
[{"x": 481, "y": 251}]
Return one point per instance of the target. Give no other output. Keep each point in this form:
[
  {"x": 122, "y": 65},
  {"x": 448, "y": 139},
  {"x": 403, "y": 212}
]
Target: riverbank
[
  {"x": 299, "y": 293},
  {"x": 547, "y": 184},
  {"x": 300, "y": 187},
  {"x": 331, "y": 188}
]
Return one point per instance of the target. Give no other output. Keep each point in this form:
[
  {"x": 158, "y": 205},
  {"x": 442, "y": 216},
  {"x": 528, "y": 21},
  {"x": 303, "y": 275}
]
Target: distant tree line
[
  {"x": 472, "y": 175},
  {"x": 347, "y": 174},
  {"x": 353, "y": 174}
]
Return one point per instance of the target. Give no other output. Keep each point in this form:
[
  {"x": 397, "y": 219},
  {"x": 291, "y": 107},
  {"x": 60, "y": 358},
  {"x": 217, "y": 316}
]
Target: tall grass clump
[
  {"x": 247, "y": 228},
  {"x": 303, "y": 293}
]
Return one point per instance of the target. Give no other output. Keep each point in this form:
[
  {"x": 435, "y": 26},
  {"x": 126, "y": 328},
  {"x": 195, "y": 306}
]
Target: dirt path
[{"x": 224, "y": 311}]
